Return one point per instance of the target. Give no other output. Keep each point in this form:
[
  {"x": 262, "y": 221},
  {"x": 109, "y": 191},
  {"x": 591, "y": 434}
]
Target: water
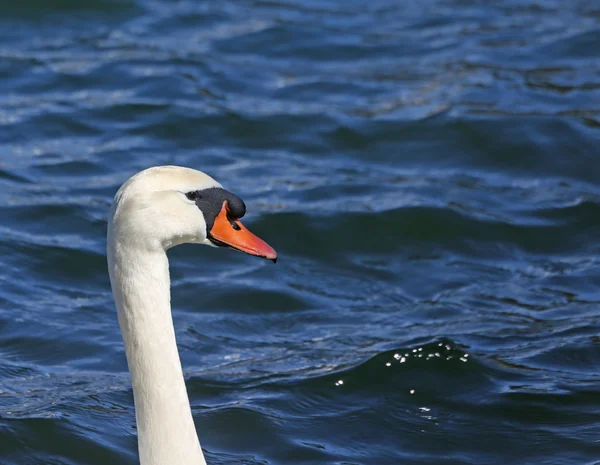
[{"x": 427, "y": 171}]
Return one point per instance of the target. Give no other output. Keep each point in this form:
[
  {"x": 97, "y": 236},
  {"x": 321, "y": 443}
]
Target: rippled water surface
[{"x": 428, "y": 172}]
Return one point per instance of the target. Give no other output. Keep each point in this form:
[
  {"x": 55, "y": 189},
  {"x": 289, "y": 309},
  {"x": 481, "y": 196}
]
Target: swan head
[{"x": 164, "y": 206}]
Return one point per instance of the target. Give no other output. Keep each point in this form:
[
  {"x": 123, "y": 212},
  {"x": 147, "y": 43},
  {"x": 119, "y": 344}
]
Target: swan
[{"x": 154, "y": 210}]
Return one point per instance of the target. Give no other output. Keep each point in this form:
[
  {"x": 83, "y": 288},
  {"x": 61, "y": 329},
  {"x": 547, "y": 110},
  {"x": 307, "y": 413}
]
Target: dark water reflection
[{"x": 427, "y": 172}]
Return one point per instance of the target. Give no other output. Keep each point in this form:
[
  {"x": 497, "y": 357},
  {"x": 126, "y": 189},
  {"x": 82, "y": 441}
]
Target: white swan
[{"x": 154, "y": 210}]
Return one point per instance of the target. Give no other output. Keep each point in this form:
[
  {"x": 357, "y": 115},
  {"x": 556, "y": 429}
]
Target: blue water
[{"x": 427, "y": 171}]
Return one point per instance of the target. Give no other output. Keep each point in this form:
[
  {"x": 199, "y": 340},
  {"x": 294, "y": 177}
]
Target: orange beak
[{"x": 230, "y": 232}]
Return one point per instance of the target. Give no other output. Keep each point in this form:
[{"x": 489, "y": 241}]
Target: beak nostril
[{"x": 232, "y": 222}]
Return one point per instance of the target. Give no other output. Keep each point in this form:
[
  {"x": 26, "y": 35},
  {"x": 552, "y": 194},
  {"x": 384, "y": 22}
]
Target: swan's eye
[{"x": 193, "y": 195}]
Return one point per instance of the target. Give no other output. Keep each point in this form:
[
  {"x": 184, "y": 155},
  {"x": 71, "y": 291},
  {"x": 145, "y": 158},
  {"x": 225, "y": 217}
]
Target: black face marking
[{"x": 210, "y": 201}]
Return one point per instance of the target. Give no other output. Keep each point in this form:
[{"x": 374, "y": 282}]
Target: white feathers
[
  {"x": 151, "y": 213},
  {"x": 150, "y": 210}
]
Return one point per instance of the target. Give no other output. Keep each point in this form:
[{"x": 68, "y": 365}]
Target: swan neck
[{"x": 141, "y": 287}]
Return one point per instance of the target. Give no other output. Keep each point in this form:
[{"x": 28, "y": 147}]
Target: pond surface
[{"x": 428, "y": 172}]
